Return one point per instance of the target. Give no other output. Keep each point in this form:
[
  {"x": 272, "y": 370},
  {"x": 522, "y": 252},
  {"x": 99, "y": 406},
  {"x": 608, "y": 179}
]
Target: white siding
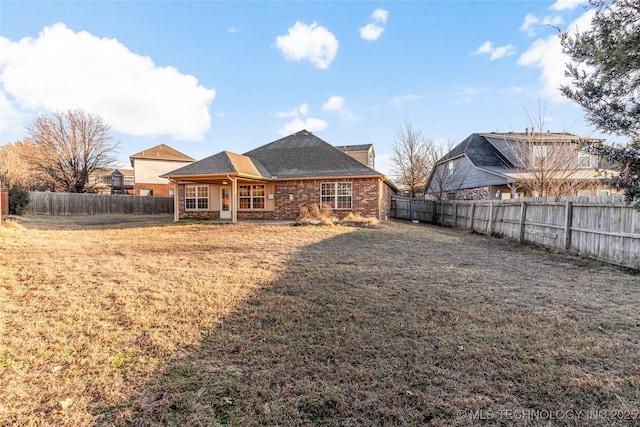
[{"x": 149, "y": 171}]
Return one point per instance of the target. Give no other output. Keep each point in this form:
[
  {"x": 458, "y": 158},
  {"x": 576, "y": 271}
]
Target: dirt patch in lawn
[{"x": 249, "y": 324}]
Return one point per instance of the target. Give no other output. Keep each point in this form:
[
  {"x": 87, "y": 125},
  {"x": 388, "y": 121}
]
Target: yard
[{"x": 205, "y": 324}]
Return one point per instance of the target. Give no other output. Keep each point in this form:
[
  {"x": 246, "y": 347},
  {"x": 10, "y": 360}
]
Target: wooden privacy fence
[
  {"x": 598, "y": 227},
  {"x": 96, "y": 204}
]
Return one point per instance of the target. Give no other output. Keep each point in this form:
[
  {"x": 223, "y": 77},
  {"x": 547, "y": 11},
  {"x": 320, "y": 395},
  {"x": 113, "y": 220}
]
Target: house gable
[{"x": 161, "y": 152}]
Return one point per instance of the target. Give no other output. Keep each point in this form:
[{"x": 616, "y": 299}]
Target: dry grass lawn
[{"x": 200, "y": 324}]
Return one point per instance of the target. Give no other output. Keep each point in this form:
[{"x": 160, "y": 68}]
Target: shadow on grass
[{"x": 379, "y": 327}]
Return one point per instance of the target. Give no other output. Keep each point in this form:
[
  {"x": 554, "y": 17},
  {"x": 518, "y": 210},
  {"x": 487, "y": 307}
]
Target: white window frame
[
  {"x": 257, "y": 195},
  {"x": 584, "y": 158},
  {"x": 539, "y": 154},
  {"x": 338, "y": 195},
  {"x": 200, "y": 200}
]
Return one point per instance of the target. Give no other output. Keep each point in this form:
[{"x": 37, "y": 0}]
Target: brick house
[{"x": 274, "y": 181}]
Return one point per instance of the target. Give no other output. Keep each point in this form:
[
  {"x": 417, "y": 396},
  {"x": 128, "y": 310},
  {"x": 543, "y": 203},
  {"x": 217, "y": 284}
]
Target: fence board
[
  {"x": 96, "y": 204},
  {"x": 599, "y": 227}
]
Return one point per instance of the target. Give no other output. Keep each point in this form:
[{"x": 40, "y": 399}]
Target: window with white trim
[
  {"x": 196, "y": 197},
  {"x": 584, "y": 158},
  {"x": 539, "y": 154},
  {"x": 252, "y": 196},
  {"x": 338, "y": 195}
]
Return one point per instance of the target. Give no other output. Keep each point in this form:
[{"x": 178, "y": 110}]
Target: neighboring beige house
[
  {"x": 150, "y": 164},
  {"x": 363, "y": 153},
  {"x": 274, "y": 181}
]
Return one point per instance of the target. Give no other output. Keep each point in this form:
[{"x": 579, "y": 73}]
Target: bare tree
[
  {"x": 552, "y": 164},
  {"x": 446, "y": 177},
  {"x": 70, "y": 146},
  {"x": 16, "y": 168},
  {"x": 411, "y": 160}
]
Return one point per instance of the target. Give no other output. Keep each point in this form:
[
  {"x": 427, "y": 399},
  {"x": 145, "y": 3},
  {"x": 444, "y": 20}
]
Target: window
[
  {"x": 584, "y": 158},
  {"x": 338, "y": 195},
  {"x": 196, "y": 197},
  {"x": 450, "y": 168},
  {"x": 145, "y": 192},
  {"x": 539, "y": 154},
  {"x": 252, "y": 196}
]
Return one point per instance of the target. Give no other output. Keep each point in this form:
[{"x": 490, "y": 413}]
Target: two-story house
[{"x": 510, "y": 165}]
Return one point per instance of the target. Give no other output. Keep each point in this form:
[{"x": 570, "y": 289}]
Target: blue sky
[{"x": 208, "y": 76}]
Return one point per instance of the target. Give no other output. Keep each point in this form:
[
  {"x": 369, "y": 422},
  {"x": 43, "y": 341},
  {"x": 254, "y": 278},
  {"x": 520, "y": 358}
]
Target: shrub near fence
[
  {"x": 96, "y": 204},
  {"x": 599, "y": 227}
]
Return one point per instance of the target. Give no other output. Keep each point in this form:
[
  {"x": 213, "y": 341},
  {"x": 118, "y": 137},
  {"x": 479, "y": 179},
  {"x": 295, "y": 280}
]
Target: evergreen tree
[{"x": 605, "y": 74}]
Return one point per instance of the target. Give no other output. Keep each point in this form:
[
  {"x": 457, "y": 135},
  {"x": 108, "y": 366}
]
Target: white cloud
[
  {"x": 300, "y": 121},
  {"x": 11, "y": 119},
  {"x": 494, "y": 52},
  {"x": 466, "y": 94},
  {"x": 63, "y": 69},
  {"x": 336, "y": 103},
  {"x": 302, "y": 109},
  {"x": 532, "y": 23},
  {"x": 400, "y": 101},
  {"x": 567, "y": 4},
  {"x": 529, "y": 21},
  {"x": 373, "y": 30},
  {"x": 552, "y": 21},
  {"x": 380, "y": 15},
  {"x": 311, "y": 124},
  {"x": 313, "y": 43},
  {"x": 547, "y": 55}
]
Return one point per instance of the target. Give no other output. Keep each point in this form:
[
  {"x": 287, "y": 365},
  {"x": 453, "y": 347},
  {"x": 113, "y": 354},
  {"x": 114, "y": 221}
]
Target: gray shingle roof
[
  {"x": 304, "y": 155},
  {"x": 301, "y": 155},
  {"x": 220, "y": 164},
  {"x": 480, "y": 152}
]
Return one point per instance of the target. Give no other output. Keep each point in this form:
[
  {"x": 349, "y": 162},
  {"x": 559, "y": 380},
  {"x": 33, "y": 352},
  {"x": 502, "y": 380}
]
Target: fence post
[
  {"x": 473, "y": 211},
  {"x": 523, "y": 213},
  {"x": 455, "y": 214},
  {"x": 490, "y": 231},
  {"x": 568, "y": 219},
  {"x": 434, "y": 206}
]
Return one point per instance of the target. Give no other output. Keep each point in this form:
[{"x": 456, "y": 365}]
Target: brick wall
[
  {"x": 385, "y": 201},
  {"x": 291, "y": 195},
  {"x": 307, "y": 193},
  {"x": 159, "y": 190},
  {"x": 4, "y": 194}
]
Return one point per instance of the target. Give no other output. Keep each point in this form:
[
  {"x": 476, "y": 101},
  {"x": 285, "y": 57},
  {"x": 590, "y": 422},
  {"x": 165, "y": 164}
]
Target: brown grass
[{"x": 248, "y": 324}]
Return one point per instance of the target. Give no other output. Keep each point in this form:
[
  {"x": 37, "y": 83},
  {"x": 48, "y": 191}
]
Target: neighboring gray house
[
  {"x": 502, "y": 166},
  {"x": 275, "y": 180}
]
